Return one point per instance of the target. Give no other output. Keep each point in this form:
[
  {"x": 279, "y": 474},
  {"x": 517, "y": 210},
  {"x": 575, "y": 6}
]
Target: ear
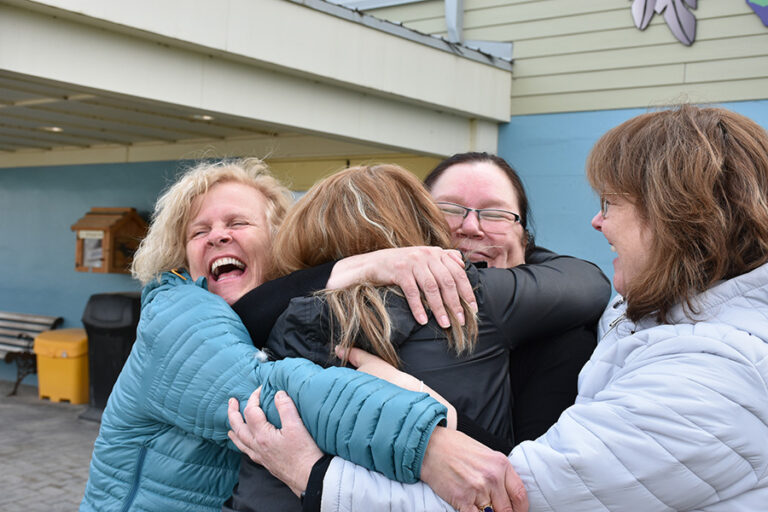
[
  {"x": 527, "y": 240},
  {"x": 529, "y": 245}
]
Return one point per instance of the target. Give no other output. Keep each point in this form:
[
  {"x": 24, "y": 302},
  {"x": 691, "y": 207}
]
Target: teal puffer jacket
[{"x": 163, "y": 441}]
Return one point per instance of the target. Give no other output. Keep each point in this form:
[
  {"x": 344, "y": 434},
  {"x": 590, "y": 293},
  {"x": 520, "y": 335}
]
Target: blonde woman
[{"x": 163, "y": 439}]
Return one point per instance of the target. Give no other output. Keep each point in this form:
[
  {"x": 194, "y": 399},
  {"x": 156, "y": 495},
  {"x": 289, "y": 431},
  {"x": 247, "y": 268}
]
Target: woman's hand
[
  {"x": 462, "y": 471},
  {"x": 471, "y": 476},
  {"x": 373, "y": 365},
  {"x": 438, "y": 273},
  {"x": 288, "y": 453}
]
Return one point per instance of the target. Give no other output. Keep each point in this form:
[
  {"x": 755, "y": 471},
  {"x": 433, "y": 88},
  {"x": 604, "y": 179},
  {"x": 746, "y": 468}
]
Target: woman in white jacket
[{"x": 672, "y": 411}]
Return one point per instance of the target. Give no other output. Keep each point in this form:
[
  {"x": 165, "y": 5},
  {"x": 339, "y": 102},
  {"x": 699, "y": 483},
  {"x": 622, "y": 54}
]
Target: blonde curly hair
[{"x": 164, "y": 247}]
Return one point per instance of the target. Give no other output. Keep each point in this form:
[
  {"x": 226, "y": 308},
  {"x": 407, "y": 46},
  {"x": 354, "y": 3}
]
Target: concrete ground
[{"x": 44, "y": 452}]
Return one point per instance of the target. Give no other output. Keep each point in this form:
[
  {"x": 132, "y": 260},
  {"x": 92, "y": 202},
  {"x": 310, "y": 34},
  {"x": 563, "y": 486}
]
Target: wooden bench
[{"x": 17, "y": 336}]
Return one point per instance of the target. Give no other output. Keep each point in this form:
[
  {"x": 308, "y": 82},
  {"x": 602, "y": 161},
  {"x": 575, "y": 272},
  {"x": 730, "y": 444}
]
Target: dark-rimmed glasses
[{"x": 490, "y": 219}]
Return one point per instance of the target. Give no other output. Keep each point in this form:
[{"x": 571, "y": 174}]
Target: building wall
[
  {"x": 39, "y": 204},
  {"x": 588, "y": 55},
  {"x": 37, "y": 248}
]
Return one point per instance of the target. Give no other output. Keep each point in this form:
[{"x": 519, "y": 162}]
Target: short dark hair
[{"x": 514, "y": 179}]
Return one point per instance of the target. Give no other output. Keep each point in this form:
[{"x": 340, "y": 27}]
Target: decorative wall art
[
  {"x": 761, "y": 9},
  {"x": 677, "y": 14}
]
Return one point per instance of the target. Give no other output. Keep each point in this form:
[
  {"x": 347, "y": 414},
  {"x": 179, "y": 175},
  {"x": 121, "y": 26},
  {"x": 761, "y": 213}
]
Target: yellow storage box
[{"x": 62, "y": 365}]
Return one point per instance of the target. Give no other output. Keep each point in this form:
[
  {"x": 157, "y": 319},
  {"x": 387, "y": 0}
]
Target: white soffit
[{"x": 260, "y": 68}]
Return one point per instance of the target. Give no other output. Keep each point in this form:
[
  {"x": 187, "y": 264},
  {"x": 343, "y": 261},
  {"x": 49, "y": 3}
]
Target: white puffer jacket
[{"x": 668, "y": 418}]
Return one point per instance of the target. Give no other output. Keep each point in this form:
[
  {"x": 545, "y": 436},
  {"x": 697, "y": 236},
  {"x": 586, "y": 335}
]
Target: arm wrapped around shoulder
[{"x": 356, "y": 416}]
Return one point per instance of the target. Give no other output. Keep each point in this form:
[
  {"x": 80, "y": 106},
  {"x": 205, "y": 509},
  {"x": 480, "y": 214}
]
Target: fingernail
[
  {"x": 422, "y": 319},
  {"x": 460, "y": 316},
  {"x": 473, "y": 305},
  {"x": 444, "y": 322},
  {"x": 281, "y": 396},
  {"x": 231, "y": 400}
]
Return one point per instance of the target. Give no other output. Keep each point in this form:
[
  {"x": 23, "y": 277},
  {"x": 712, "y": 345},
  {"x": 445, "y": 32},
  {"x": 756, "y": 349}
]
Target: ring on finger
[{"x": 486, "y": 508}]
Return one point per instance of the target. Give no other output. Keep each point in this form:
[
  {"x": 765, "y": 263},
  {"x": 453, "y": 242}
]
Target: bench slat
[
  {"x": 17, "y": 334},
  {"x": 27, "y": 318},
  {"x": 16, "y": 341},
  {"x": 18, "y": 330},
  {"x": 12, "y": 347},
  {"x": 13, "y": 330}
]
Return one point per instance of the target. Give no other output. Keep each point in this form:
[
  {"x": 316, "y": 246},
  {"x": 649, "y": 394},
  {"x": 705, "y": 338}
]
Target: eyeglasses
[
  {"x": 605, "y": 203},
  {"x": 490, "y": 219}
]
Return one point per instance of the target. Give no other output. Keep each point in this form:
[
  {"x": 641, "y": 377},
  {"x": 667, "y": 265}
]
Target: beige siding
[
  {"x": 573, "y": 55},
  {"x": 300, "y": 174}
]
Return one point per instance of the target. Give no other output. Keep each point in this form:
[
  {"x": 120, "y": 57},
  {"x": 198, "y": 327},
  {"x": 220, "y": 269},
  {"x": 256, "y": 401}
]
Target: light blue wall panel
[
  {"x": 37, "y": 248},
  {"x": 549, "y": 151}
]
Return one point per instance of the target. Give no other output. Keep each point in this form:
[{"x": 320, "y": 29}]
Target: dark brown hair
[
  {"x": 514, "y": 179},
  {"x": 699, "y": 178}
]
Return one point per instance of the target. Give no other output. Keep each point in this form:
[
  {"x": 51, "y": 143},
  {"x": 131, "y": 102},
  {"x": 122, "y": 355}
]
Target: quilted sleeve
[
  {"x": 358, "y": 417},
  {"x": 200, "y": 356},
  {"x": 680, "y": 427},
  {"x": 348, "y": 487}
]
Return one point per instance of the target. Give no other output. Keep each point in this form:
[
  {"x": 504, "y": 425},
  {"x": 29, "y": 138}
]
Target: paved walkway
[{"x": 44, "y": 452}]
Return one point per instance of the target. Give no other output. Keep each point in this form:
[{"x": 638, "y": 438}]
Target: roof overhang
[{"x": 275, "y": 77}]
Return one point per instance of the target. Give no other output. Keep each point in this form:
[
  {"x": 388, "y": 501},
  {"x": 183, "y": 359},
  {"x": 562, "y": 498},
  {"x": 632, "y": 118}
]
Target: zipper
[
  {"x": 135, "y": 486},
  {"x": 616, "y": 321}
]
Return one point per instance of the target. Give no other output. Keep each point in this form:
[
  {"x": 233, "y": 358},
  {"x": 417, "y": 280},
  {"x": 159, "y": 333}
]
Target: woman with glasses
[
  {"x": 367, "y": 209},
  {"x": 672, "y": 412},
  {"x": 487, "y": 209}
]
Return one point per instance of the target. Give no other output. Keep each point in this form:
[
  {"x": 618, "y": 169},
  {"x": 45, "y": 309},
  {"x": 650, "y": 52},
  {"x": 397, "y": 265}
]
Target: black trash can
[{"x": 110, "y": 321}]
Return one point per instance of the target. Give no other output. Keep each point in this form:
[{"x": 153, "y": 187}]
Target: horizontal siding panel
[
  {"x": 730, "y": 69},
  {"x": 573, "y": 55},
  {"x": 579, "y": 24},
  {"x": 649, "y": 97},
  {"x": 560, "y": 9},
  {"x": 657, "y": 33},
  {"x": 538, "y": 11},
  {"x": 589, "y": 81},
  {"x": 581, "y": 12},
  {"x": 470, "y": 5},
  {"x": 673, "y": 52}
]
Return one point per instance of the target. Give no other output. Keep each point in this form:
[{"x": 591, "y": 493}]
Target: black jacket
[{"x": 516, "y": 307}]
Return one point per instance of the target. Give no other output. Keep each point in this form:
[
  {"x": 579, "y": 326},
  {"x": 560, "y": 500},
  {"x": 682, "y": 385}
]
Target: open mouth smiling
[{"x": 226, "y": 267}]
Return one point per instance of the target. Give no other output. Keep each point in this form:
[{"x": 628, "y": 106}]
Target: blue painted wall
[
  {"x": 37, "y": 248},
  {"x": 549, "y": 151}
]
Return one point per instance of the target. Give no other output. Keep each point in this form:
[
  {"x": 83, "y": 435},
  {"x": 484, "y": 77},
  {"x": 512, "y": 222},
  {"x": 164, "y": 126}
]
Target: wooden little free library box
[{"x": 107, "y": 239}]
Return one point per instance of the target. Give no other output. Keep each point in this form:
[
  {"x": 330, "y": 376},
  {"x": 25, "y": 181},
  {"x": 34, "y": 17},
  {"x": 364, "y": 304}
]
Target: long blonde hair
[
  {"x": 359, "y": 210},
  {"x": 164, "y": 247}
]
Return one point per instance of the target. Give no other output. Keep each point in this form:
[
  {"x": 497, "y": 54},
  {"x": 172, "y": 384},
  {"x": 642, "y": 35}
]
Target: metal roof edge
[{"x": 399, "y": 30}]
